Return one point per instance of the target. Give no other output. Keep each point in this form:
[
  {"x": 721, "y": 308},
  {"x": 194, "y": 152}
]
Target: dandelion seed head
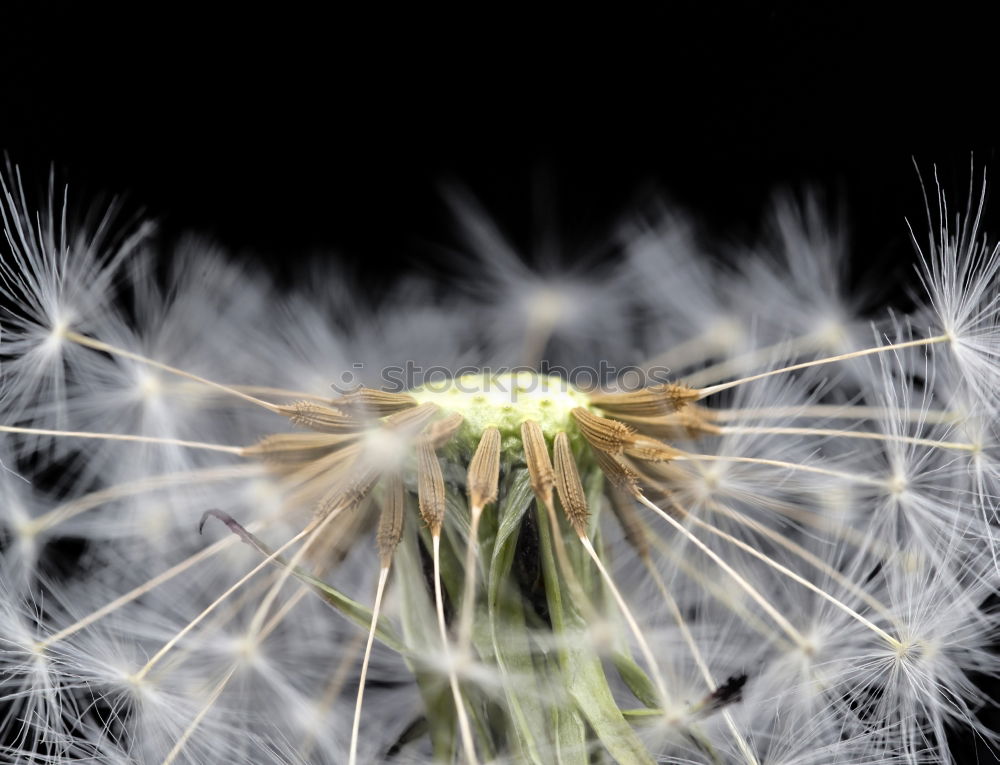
[{"x": 784, "y": 554}]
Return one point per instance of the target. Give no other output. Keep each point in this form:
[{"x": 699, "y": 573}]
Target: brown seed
[
  {"x": 410, "y": 422},
  {"x": 536, "y": 454},
  {"x": 308, "y": 414},
  {"x": 613, "y": 437},
  {"x": 651, "y": 450},
  {"x": 602, "y": 433},
  {"x": 623, "y": 506},
  {"x": 390, "y": 521},
  {"x": 349, "y": 494},
  {"x": 333, "y": 469},
  {"x": 662, "y": 473},
  {"x": 299, "y": 447},
  {"x": 312, "y": 480},
  {"x": 440, "y": 432},
  {"x": 568, "y": 485},
  {"x": 369, "y": 402},
  {"x": 617, "y": 471},
  {"x": 689, "y": 423},
  {"x": 484, "y": 470},
  {"x": 430, "y": 487},
  {"x": 653, "y": 401}
]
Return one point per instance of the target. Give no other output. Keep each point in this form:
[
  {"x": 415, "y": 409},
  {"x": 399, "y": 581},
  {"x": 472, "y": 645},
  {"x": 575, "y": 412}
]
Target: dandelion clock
[{"x": 656, "y": 508}]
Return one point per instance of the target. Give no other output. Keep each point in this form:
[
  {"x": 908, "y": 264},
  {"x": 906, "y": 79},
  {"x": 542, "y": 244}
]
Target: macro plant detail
[{"x": 785, "y": 555}]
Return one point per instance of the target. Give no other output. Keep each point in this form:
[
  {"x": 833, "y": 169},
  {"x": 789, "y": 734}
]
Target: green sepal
[
  {"x": 636, "y": 679},
  {"x": 583, "y": 672},
  {"x": 509, "y": 634}
]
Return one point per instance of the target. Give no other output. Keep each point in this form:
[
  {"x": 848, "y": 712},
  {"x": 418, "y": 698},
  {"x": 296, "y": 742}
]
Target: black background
[
  {"x": 332, "y": 130},
  {"x": 295, "y": 129}
]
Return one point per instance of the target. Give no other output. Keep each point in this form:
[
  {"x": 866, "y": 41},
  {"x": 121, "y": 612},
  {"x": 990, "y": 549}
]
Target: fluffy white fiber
[{"x": 819, "y": 580}]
